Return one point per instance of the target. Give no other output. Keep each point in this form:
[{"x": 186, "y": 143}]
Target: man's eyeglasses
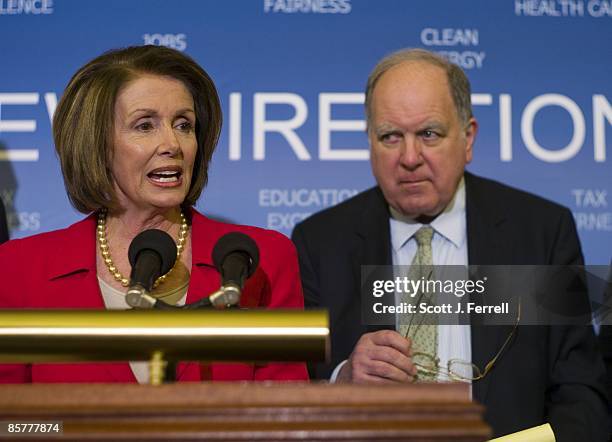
[{"x": 457, "y": 369}]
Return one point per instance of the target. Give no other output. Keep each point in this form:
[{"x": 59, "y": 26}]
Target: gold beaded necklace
[{"x": 104, "y": 249}]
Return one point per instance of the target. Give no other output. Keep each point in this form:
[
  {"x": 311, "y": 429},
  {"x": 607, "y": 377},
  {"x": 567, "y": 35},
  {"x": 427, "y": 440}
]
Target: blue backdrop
[{"x": 291, "y": 75}]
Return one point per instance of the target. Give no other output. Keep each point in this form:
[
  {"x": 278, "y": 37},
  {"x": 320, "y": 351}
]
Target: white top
[{"x": 115, "y": 300}]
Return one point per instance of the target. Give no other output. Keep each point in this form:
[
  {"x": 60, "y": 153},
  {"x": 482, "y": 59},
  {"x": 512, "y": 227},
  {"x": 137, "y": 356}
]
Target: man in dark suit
[
  {"x": 4, "y": 234},
  {"x": 421, "y": 131}
]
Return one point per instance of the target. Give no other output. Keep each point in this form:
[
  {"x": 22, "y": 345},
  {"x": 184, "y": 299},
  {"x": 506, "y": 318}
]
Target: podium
[
  {"x": 248, "y": 412},
  {"x": 244, "y": 411}
]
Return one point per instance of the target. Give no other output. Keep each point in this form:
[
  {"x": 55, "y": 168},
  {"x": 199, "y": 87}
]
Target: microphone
[
  {"x": 152, "y": 253},
  {"x": 236, "y": 257}
]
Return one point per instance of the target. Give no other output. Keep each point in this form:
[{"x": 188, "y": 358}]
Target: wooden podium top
[{"x": 248, "y": 411}]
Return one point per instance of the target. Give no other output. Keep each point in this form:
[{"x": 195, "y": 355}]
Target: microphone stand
[{"x": 227, "y": 296}]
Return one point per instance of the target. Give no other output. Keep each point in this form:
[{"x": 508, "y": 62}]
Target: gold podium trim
[
  {"x": 162, "y": 332},
  {"x": 190, "y": 335}
]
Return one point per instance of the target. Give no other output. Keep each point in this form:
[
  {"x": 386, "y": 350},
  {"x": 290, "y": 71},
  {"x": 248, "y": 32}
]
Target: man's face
[{"x": 419, "y": 148}]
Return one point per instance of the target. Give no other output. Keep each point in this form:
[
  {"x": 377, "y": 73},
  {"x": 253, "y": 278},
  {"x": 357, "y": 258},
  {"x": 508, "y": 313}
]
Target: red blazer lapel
[
  {"x": 72, "y": 283},
  {"x": 205, "y": 279},
  {"x": 71, "y": 276}
]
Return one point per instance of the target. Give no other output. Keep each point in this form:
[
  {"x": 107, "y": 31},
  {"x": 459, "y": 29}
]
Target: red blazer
[{"x": 58, "y": 270}]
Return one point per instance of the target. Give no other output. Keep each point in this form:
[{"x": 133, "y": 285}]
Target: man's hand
[{"x": 383, "y": 356}]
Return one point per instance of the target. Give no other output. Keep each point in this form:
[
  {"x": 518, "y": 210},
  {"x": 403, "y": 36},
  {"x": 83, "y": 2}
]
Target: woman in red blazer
[{"x": 135, "y": 131}]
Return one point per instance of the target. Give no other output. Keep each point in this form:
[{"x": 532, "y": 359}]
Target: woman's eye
[
  {"x": 144, "y": 126},
  {"x": 185, "y": 126}
]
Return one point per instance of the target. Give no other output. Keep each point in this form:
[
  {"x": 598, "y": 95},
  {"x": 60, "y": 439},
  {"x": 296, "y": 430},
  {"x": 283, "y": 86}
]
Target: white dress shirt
[{"x": 449, "y": 247}]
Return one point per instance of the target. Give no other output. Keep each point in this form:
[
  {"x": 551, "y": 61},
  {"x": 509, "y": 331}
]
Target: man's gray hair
[{"x": 457, "y": 80}]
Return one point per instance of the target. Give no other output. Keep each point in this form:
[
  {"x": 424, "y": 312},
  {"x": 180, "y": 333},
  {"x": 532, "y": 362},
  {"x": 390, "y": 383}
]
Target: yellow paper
[{"x": 543, "y": 433}]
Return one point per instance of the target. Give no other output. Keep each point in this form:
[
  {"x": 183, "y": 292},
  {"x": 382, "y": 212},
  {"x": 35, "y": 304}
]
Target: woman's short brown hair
[{"x": 83, "y": 120}]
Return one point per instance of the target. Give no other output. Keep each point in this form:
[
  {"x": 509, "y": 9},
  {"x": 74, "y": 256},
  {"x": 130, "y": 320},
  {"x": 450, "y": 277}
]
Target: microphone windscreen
[
  {"x": 157, "y": 241},
  {"x": 236, "y": 242}
]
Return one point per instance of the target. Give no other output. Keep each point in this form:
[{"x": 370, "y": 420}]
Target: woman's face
[{"x": 154, "y": 143}]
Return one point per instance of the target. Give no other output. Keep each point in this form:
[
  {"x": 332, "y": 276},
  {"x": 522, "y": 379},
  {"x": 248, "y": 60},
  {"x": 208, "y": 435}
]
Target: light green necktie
[{"x": 424, "y": 336}]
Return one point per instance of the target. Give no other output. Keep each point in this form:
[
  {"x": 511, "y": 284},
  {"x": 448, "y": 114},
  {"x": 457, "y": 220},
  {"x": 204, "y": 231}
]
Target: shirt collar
[{"x": 450, "y": 224}]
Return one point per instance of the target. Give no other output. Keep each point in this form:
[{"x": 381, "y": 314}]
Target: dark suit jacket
[
  {"x": 4, "y": 234},
  {"x": 605, "y": 343},
  {"x": 58, "y": 270},
  {"x": 548, "y": 374}
]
